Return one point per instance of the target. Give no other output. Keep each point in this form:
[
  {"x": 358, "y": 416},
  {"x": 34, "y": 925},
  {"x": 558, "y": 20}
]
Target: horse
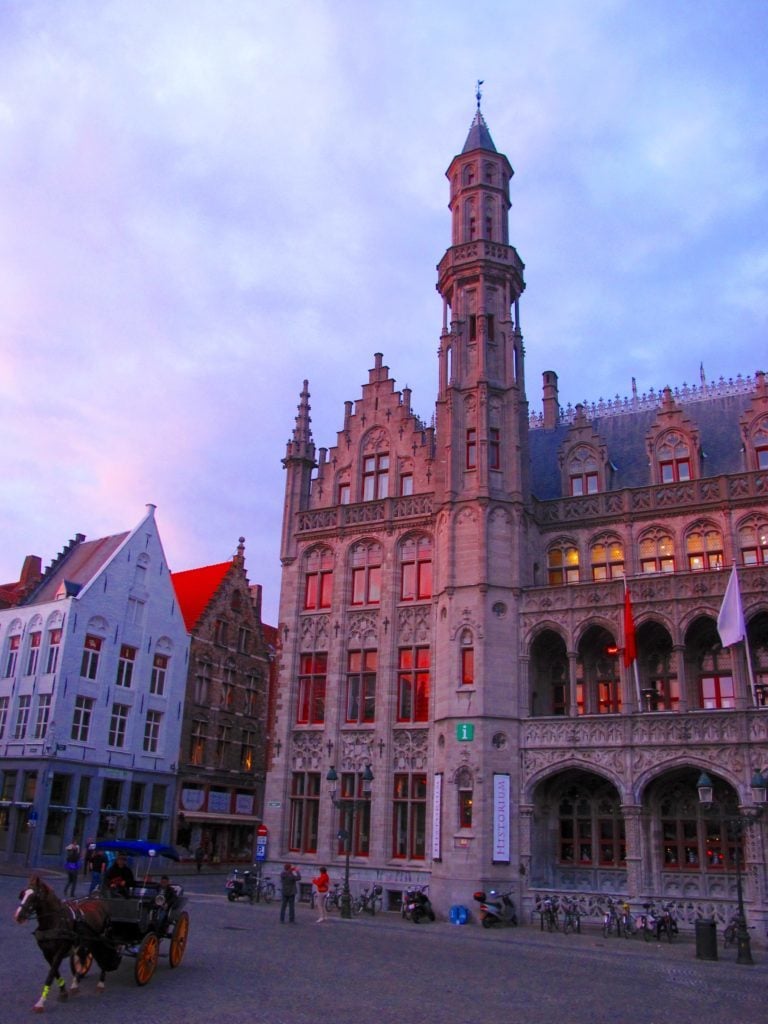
[{"x": 76, "y": 928}]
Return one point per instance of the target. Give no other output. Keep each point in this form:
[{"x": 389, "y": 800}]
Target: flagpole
[{"x": 634, "y": 660}]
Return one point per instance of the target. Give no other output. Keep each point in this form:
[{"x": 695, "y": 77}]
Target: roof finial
[{"x": 478, "y": 94}]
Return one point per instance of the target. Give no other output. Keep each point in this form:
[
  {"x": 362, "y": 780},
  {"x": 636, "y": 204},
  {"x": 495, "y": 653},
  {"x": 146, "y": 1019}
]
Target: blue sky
[{"x": 203, "y": 202}]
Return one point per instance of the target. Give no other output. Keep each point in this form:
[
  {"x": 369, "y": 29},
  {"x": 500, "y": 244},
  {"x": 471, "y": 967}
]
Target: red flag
[{"x": 630, "y": 643}]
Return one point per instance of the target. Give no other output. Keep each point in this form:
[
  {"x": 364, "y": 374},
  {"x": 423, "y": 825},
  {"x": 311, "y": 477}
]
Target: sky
[{"x": 204, "y": 202}]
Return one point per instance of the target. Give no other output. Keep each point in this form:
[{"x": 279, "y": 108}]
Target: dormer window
[
  {"x": 674, "y": 458},
  {"x": 583, "y": 475}
]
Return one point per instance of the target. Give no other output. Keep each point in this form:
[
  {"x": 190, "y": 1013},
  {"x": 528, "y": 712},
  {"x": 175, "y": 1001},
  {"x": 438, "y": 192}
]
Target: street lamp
[
  {"x": 737, "y": 824},
  {"x": 350, "y": 806}
]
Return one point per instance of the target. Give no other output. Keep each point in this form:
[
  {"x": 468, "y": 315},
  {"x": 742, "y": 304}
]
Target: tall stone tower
[{"x": 481, "y": 524}]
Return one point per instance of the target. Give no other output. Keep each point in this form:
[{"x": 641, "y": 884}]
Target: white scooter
[{"x": 496, "y": 908}]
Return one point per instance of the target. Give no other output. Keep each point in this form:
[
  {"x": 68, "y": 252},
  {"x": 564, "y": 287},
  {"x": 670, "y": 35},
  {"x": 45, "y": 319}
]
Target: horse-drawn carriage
[
  {"x": 129, "y": 920},
  {"x": 147, "y": 913}
]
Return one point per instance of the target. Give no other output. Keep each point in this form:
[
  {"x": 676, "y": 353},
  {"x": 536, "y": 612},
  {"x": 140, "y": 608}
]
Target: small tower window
[
  {"x": 494, "y": 448},
  {"x": 471, "y": 461}
]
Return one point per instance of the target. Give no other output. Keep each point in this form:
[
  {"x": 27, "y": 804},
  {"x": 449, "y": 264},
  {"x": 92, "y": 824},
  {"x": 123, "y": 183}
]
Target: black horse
[{"x": 76, "y": 928}]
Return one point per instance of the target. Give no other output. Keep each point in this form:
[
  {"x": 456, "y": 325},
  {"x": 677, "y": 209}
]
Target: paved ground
[{"x": 242, "y": 966}]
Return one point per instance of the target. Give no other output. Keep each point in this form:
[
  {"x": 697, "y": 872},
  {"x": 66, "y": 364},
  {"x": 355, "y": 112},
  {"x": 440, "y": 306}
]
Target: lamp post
[
  {"x": 737, "y": 825},
  {"x": 350, "y": 805}
]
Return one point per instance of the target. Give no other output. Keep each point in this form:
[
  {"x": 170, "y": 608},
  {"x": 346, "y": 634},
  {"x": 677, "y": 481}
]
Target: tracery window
[
  {"x": 674, "y": 459},
  {"x": 591, "y": 827},
  {"x": 657, "y": 552},
  {"x": 375, "y": 476},
  {"x": 409, "y": 819},
  {"x": 563, "y": 564},
  {"x": 607, "y": 558},
  {"x": 361, "y": 686},
  {"x": 704, "y": 548},
  {"x": 310, "y": 708},
  {"x": 583, "y": 472},
  {"x": 753, "y": 542},
  {"x": 305, "y": 812}
]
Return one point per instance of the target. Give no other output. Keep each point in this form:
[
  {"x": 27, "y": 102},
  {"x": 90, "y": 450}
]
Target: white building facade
[{"x": 93, "y": 668}]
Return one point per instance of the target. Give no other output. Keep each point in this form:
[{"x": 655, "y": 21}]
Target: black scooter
[
  {"x": 241, "y": 887},
  {"x": 416, "y": 905}
]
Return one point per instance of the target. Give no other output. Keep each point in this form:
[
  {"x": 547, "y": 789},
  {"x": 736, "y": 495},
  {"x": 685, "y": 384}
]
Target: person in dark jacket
[{"x": 289, "y": 877}]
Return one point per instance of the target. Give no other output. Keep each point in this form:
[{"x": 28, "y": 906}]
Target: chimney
[{"x": 550, "y": 399}]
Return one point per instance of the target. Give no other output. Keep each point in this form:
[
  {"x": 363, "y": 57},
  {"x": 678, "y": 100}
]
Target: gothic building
[
  {"x": 454, "y": 617},
  {"x": 222, "y": 758}
]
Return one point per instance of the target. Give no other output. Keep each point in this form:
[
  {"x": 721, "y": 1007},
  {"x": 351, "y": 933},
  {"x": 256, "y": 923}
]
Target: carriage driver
[{"x": 119, "y": 876}]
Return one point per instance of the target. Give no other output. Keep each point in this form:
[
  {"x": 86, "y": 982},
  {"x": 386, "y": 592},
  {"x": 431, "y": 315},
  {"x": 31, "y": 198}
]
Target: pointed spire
[
  {"x": 301, "y": 445},
  {"x": 302, "y": 433},
  {"x": 479, "y": 137}
]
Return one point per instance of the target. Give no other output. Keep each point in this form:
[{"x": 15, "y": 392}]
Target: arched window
[
  {"x": 318, "y": 579},
  {"x": 673, "y": 454},
  {"x": 607, "y": 559},
  {"x": 657, "y": 552},
  {"x": 710, "y": 665},
  {"x": 757, "y": 446},
  {"x": 704, "y": 547},
  {"x": 693, "y": 839},
  {"x": 563, "y": 564},
  {"x": 656, "y": 665},
  {"x": 467, "y": 657},
  {"x": 583, "y": 475},
  {"x": 598, "y": 689},
  {"x": 753, "y": 542},
  {"x": 416, "y": 569},
  {"x": 366, "y": 573},
  {"x": 591, "y": 826}
]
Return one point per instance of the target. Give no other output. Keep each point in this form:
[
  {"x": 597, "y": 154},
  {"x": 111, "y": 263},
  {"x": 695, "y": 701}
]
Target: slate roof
[
  {"x": 195, "y": 589},
  {"x": 479, "y": 137},
  {"x": 717, "y": 420},
  {"x": 78, "y": 568}
]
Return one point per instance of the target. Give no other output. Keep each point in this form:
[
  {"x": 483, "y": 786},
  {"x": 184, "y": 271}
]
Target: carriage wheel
[
  {"x": 80, "y": 962},
  {"x": 146, "y": 959},
  {"x": 179, "y": 940}
]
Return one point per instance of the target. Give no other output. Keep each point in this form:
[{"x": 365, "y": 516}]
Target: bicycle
[
  {"x": 333, "y": 898},
  {"x": 264, "y": 889},
  {"x": 549, "y": 911},
  {"x": 369, "y": 900}
]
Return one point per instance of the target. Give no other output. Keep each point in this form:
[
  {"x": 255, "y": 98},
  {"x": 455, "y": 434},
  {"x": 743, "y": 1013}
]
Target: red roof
[{"x": 195, "y": 588}]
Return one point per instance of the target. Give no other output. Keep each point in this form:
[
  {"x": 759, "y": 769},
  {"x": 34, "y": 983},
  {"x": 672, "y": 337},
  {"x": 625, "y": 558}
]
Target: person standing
[
  {"x": 199, "y": 855},
  {"x": 98, "y": 862},
  {"x": 289, "y": 877},
  {"x": 72, "y": 867},
  {"x": 322, "y": 884}
]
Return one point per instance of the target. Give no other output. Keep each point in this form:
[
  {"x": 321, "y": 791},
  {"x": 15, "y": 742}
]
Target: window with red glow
[
  {"x": 310, "y": 708},
  {"x": 416, "y": 570},
  {"x": 413, "y": 684}
]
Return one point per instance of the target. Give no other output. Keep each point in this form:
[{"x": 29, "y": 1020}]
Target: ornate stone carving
[{"x": 410, "y": 749}]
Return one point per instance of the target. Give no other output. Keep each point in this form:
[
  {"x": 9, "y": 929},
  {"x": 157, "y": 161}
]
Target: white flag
[{"x": 730, "y": 621}]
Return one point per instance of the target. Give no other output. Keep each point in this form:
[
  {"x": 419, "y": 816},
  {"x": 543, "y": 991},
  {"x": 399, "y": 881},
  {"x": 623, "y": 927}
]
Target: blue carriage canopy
[{"x": 138, "y": 847}]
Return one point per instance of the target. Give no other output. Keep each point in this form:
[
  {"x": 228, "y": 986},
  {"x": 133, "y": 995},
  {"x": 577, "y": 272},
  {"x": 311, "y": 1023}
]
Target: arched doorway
[
  {"x": 579, "y": 840},
  {"x": 691, "y": 850}
]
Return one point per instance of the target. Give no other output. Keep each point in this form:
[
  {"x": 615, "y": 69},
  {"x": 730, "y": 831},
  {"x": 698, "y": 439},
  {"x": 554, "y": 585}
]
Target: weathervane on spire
[{"x": 478, "y": 94}]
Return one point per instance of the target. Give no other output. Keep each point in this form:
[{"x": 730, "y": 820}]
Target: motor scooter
[
  {"x": 496, "y": 908},
  {"x": 417, "y": 905},
  {"x": 241, "y": 886}
]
